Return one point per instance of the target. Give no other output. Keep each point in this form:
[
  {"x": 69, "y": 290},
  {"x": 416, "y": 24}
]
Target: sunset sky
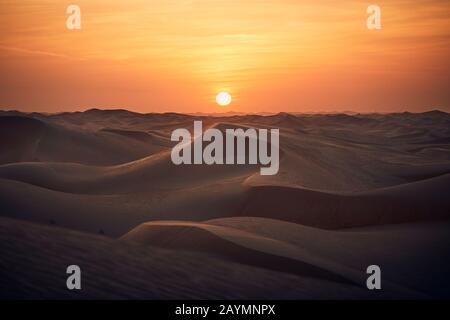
[{"x": 271, "y": 55}]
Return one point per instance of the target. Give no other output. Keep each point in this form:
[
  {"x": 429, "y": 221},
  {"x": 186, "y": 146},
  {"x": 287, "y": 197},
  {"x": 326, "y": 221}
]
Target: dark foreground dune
[
  {"x": 200, "y": 238},
  {"x": 98, "y": 189},
  {"x": 34, "y": 260}
]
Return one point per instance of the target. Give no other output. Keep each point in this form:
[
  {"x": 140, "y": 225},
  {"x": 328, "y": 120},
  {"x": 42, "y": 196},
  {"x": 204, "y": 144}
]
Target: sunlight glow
[{"x": 223, "y": 99}]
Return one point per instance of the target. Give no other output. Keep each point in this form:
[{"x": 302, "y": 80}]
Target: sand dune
[
  {"x": 226, "y": 243},
  {"x": 413, "y": 256},
  {"x": 314, "y": 173},
  {"x": 422, "y": 200},
  {"x": 156, "y": 171},
  {"x": 225, "y": 230},
  {"x": 26, "y": 139},
  {"x": 117, "y": 212},
  {"x": 315, "y": 253},
  {"x": 113, "y": 270},
  {"x": 136, "y": 176},
  {"x": 320, "y": 152},
  {"x": 114, "y": 215}
]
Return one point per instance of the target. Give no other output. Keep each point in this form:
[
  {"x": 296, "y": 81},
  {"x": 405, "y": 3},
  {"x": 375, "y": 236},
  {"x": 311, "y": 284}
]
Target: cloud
[{"x": 36, "y": 52}]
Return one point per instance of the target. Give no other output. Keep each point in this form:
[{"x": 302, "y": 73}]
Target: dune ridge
[{"x": 417, "y": 201}]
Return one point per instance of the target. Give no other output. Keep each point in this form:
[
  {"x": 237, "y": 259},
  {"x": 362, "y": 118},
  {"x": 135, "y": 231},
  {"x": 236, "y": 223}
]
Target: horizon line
[{"x": 225, "y": 113}]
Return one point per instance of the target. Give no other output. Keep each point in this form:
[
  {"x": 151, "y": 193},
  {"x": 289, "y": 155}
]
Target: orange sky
[{"x": 271, "y": 55}]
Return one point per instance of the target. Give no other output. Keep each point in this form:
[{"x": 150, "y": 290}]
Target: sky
[{"x": 270, "y": 55}]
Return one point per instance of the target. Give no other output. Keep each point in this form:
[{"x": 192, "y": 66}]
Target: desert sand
[{"x": 98, "y": 189}]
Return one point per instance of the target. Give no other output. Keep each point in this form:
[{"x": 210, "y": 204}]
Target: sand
[{"x": 99, "y": 186}]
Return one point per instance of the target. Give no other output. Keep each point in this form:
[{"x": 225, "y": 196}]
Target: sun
[{"x": 223, "y": 98}]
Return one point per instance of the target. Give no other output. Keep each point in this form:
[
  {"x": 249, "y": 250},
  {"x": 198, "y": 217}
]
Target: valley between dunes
[{"x": 98, "y": 189}]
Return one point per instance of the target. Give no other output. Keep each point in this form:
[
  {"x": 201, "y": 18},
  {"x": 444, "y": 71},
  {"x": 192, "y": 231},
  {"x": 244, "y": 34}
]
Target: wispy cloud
[{"x": 37, "y": 52}]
